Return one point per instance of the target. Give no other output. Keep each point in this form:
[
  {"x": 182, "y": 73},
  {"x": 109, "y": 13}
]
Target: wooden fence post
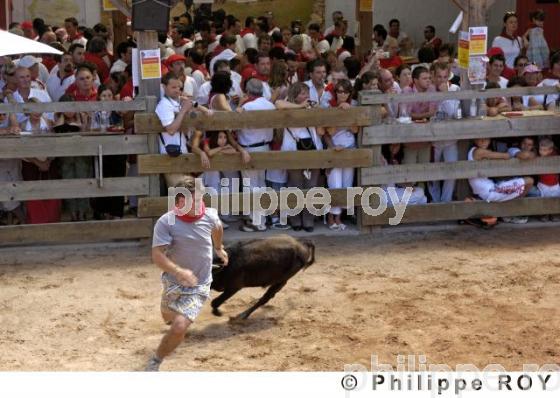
[{"x": 150, "y": 90}]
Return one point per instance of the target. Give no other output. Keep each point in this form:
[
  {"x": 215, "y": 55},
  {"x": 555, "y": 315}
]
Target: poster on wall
[
  {"x": 150, "y": 64},
  {"x": 108, "y": 6},
  {"x": 478, "y": 40}
]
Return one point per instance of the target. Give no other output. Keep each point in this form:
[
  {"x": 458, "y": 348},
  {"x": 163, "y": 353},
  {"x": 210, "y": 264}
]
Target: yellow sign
[
  {"x": 366, "y": 5},
  {"x": 150, "y": 64},
  {"x": 463, "y": 50},
  {"x": 478, "y": 38},
  {"x": 108, "y": 6}
]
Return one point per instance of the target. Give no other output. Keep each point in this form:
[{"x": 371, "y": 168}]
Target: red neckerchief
[
  {"x": 219, "y": 49},
  {"x": 251, "y": 98},
  {"x": 262, "y": 78},
  {"x": 201, "y": 68},
  {"x": 246, "y": 31},
  {"x": 182, "y": 42},
  {"x": 191, "y": 219},
  {"x": 504, "y": 34},
  {"x": 78, "y": 36},
  {"x": 279, "y": 45}
]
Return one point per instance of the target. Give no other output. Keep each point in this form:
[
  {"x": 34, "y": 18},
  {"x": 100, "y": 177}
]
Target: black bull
[{"x": 260, "y": 263}]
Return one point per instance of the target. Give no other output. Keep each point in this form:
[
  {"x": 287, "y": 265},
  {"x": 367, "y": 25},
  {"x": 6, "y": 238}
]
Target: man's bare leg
[{"x": 171, "y": 340}]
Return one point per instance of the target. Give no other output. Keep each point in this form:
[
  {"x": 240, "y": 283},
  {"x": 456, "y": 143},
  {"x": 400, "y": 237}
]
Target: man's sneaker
[
  {"x": 516, "y": 220},
  {"x": 153, "y": 364}
]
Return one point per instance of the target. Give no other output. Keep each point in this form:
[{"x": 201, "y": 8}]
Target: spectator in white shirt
[
  {"x": 63, "y": 78},
  {"x": 317, "y": 86},
  {"x": 495, "y": 69},
  {"x": 234, "y": 94},
  {"x": 39, "y": 72},
  {"x": 25, "y": 92},
  {"x": 336, "y": 16},
  {"x": 171, "y": 110},
  {"x": 255, "y": 140},
  {"x": 508, "y": 41},
  {"x": 124, "y": 52}
]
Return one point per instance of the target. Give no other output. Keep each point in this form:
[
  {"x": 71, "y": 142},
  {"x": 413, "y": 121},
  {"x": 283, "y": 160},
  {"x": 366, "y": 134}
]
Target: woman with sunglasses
[
  {"x": 511, "y": 44},
  {"x": 340, "y": 138}
]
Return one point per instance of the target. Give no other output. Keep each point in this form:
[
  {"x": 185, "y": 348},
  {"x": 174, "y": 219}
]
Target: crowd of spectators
[{"x": 213, "y": 62}]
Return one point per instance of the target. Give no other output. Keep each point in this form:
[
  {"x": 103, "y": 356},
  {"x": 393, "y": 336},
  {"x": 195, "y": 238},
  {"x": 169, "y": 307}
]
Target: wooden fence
[{"x": 366, "y": 158}]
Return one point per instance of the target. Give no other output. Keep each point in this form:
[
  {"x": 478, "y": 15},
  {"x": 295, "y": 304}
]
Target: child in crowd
[
  {"x": 548, "y": 183},
  {"x": 538, "y": 51},
  {"x": 216, "y": 143}
]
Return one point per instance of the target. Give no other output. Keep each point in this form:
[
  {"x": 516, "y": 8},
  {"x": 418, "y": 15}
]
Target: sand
[{"x": 470, "y": 296}]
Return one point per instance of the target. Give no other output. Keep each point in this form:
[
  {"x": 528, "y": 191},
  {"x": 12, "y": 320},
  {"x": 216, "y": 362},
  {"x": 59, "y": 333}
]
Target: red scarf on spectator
[
  {"x": 504, "y": 34},
  {"x": 190, "y": 219},
  {"x": 246, "y": 31}
]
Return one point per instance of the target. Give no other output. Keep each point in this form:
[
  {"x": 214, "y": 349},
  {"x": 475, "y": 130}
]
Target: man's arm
[
  {"x": 217, "y": 236},
  {"x": 184, "y": 276}
]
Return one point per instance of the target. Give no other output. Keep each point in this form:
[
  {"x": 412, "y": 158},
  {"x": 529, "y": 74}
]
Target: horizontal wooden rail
[
  {"x": 459, "y": 170},
  {"x": 376, "y": 98},
  {"x": 155, "y": 207},
  {"x": 77, "y": 106},
  {"x": 73, "y": 189},
  {"x": 489, "y": 127},
  {"x": 287, "y": 160},
  {"x": 76, "y": 232},
  {"x": 61, "y": 145},
  {"x": 147, "y": 123},
  {"x": 464, "y": 210}
]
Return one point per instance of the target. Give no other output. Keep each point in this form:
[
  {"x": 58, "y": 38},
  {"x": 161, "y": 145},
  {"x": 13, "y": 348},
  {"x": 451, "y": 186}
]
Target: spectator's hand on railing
[
  {"x": 338, "y": 148},
  {"x": 245, "y": 156},
  {"x": 14, "y": 130},
  {"x": 186, "y": 103},
  {"x": 228, "y": 149},
  {"x": 204, "y": 160},
  {"x": 239, "y": 110},
  {"x": 127, "y": 99},
  {"x": 344, "y": 105}
]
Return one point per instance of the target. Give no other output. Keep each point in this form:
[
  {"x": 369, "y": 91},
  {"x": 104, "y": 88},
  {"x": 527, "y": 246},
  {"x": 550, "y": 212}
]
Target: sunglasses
[{"x": 342, "y": 92}]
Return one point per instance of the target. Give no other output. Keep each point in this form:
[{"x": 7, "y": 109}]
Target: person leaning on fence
[
  {"x": 447, "y": 151},
  {"x": 171, "y": 110},
  {"x": 301, "y": 139},
  {"x": 487, "y": 189},
  {"x": 340, "y": 138},
  {"x": 255, "y": 140}
]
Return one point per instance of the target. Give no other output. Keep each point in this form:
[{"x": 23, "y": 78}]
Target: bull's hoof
[{"x": 216, "y": 312}]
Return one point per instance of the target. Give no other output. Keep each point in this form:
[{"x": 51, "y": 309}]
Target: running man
[{"x": 182, "y": 247}]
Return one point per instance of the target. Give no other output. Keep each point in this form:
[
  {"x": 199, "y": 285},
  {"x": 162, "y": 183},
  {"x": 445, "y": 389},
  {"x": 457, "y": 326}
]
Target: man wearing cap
[
  {"x": 39, "y": 72},
  {"x": 58, "y": 83},
  {"x": 532, "y": 76},
  {"x": 28, "y": 31},
  {"x": 176, "y": 64}
]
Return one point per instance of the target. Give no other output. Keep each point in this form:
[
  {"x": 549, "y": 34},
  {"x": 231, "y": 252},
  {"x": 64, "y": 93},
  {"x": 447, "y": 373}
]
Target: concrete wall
[
  {"x": 87, "y": 12},
  {"x": 416, "y": 14}
]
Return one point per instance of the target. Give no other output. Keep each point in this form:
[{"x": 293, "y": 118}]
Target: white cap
[
  {"x": 323, "y": 46},
  {"x": 28, "y": 61}
]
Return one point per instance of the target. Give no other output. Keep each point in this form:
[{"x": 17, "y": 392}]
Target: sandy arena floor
[{"x": 458, "y": 297}]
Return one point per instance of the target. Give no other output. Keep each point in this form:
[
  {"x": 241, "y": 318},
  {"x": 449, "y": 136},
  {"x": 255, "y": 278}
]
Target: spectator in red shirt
[
  {"x": 249, "y": 61},
  {"x": 394, "y": 61},
  {"x": 431, "y": 40},
  {"x": 97, "y": 49},
  {"x": 83, "y": 89}
]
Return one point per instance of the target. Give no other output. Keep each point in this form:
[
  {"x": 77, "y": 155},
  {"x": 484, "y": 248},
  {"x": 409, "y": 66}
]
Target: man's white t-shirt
[
  {"x": 167, "y": 109},
  {"x": 254, "y": 136}
]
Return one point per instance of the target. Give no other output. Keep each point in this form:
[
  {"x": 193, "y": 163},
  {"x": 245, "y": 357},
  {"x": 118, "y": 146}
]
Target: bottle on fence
[
  {"x": 104, "y": 120},
  {"x": 459, "y": 113},
  {"x": 482, "y": 110}
]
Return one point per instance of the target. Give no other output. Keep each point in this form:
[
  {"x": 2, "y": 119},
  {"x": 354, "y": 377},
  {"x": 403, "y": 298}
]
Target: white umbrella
[{"x": 11, "y": 44}]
